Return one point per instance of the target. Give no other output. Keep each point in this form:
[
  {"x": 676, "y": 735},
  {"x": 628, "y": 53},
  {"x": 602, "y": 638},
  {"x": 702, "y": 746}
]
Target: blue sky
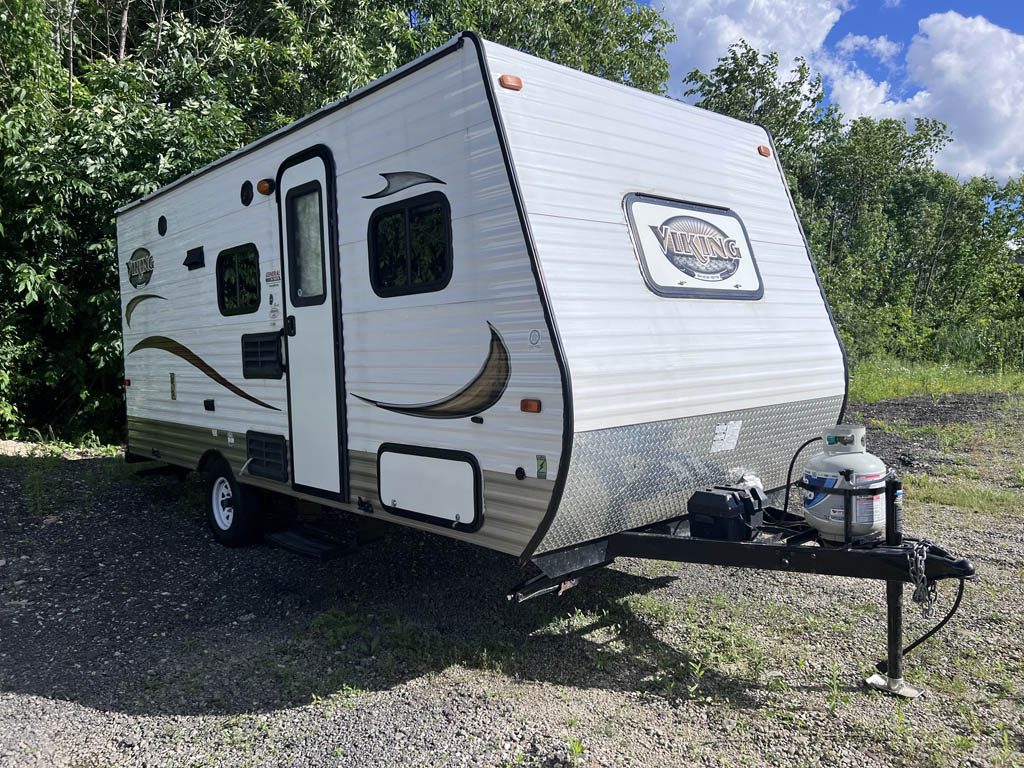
[{"x": 960, "y": 62}]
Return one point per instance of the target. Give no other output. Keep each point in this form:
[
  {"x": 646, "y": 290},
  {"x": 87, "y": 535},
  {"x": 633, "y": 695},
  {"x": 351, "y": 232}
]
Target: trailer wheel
[{"x": 231, "y": 509}]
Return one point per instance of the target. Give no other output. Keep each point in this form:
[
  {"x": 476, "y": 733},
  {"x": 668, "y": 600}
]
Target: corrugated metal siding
[
  {"x": 579, "y": 145},
  {"x": 409, "y": 349}
]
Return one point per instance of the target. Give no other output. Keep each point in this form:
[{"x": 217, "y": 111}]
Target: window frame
[
  {"x": 291, "y": 233},
  {"x": 234, "y": 251},
  {"x": 407, "y": 205}
]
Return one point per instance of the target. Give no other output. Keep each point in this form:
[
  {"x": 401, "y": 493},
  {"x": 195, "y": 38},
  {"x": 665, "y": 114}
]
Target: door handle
[{"x": 289, "y": 325}]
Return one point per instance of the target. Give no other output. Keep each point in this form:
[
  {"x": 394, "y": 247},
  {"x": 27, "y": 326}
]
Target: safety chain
[{"x": 924, "y": 590}]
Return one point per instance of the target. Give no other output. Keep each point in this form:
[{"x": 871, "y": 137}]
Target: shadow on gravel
[{"x": 114, "y": 595}]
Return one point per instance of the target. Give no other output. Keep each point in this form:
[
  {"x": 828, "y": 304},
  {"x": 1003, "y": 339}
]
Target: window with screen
[
  {"x": 411, "y": 246},
  {"x": 238, "y": 280},
  {"x": 306, "y": 245}
]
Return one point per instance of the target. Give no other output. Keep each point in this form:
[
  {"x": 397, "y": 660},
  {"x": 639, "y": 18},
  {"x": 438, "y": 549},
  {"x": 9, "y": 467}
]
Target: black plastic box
[{"x": 726, "y": 514}]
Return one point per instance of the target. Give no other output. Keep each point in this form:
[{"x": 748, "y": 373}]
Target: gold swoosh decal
[
  {"x": 128, "y": 310},
  {"x": 190, "y": 357},
  {"x": 485, "y": 389}
]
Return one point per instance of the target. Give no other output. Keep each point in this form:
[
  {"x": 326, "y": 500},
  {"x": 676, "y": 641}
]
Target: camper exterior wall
[
  {"x": 655, "y": 376},
  {"x": 408, "y": 349}
]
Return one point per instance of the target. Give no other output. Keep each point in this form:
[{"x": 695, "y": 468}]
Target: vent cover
[
  {"x": 267, "y": 455},
  {"x": 261, "y": 356},
  {"x": 195, "y": 258}
]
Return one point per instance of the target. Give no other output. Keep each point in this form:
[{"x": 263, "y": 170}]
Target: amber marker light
[
  {"x": 764, "y": 151},
  {"x": 529, "y": 406},
  {"x": 265, "y": 186},
  {"x": 512, "y": 82}
]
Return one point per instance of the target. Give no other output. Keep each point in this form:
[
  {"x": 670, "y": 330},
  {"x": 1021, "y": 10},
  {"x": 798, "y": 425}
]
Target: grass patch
[
  {"x": 882, "y": 379},
  {"x": 405, "y": 644},
  {"x": 963, "y": 494},
  {"x": 946, "y": 436}
]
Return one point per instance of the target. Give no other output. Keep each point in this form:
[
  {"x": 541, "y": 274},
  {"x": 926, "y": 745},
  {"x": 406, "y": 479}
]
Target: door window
[{"x": 306, "y": 245}]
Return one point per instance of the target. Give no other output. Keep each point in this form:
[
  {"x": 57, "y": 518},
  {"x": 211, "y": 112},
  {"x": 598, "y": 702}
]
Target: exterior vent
[
  {"x": 194, "y": 258},
  {"x": 267, "y": 455},
  {"x": 261, "y": 356}
]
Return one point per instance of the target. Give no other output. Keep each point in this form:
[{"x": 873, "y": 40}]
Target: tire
[{"x": 232, "y": 511}]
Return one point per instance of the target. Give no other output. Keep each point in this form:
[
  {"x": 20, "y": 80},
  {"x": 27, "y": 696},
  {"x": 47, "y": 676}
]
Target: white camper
[{"x": 486, "y": 296}]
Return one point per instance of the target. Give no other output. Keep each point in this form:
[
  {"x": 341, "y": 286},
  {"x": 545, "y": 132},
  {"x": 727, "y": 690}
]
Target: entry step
[{"x": 308, "y": 541}]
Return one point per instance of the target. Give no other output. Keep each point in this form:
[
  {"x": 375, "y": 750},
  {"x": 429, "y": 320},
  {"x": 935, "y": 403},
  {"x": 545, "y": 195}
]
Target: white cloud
[
  {"x": 882, "y": 48},
  {"x": 965, "y": 71},
  {"x": 706, "y": 28},
  {"x": 967, "y": 74}
]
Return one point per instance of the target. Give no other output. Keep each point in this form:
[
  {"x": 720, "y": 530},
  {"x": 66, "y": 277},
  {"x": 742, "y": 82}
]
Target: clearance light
[
  {"x": 529, "y": 406},
  {"x": 265, "y": 186},
  {"x": 512, "y": 82},
  {"x": 127, "y": 382},
  {"x": 764, "y": 151}
]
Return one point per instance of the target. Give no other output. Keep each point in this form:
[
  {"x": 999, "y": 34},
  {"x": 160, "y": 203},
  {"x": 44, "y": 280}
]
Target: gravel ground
[{"x": 129, "y": 637}]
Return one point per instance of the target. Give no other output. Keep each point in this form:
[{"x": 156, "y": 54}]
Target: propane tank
[{"x": 844, "y": 464}]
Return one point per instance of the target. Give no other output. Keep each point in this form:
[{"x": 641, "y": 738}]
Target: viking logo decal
[
  {"x": 699, "y": 249},
  {"x": 140, "y": 267}
]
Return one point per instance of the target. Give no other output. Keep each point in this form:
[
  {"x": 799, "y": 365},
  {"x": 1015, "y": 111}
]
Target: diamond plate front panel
[{"x": 626, "y": 477}]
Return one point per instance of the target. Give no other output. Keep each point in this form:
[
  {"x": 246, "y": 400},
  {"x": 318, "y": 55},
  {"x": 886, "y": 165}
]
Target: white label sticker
[
  {"x": 726, "y": 436},
  {"x": 867, "y": 510}
]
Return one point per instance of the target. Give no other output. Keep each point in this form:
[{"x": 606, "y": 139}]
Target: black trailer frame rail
[{"x": 891, "y": 560}]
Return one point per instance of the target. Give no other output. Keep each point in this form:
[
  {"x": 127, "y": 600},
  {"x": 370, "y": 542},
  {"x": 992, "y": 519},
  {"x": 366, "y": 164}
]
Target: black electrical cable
[
  {"x": 789, "y": 474},
  {"x": 883, "y": 666}
]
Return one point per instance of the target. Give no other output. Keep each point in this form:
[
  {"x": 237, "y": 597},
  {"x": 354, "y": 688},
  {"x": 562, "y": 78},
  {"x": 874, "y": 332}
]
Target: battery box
[{"x": 726, "y": 513}]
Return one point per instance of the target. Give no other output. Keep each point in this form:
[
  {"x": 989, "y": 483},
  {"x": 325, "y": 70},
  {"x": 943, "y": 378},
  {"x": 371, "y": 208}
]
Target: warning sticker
[
  {"x": 866, "y": 509},
  {"x": 272, "y": 277},
  {"x": 726, "y": 436},
  {"x": 542, "y": 467}
]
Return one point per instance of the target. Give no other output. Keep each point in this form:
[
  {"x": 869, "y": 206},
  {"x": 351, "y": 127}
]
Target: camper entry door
[{"x": 307, "y": 216}]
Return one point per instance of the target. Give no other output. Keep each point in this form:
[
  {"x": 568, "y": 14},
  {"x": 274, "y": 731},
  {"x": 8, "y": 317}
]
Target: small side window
[
  {"x": 306, "y": 245},
  {"x": 238, "y": 280},
  {"x": 410, "y": 246}
]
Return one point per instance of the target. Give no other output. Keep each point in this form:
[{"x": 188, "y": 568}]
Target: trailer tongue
[{"x": 734, "y": 527}]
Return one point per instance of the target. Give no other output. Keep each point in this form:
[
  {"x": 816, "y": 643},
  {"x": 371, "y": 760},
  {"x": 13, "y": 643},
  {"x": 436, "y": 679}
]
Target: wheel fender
[{"x": 209, "y": 458}]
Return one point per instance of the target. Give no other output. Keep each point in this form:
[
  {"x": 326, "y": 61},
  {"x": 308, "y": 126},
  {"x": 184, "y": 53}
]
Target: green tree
[
  {"x": 102, "y": 102},
  {"x": 747, "y": 85}
]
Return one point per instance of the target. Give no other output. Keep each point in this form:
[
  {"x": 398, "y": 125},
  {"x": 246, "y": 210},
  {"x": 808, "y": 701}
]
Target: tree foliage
[
  {"x": 102, "y": 101},
  {"x": 915, "y": 263}
]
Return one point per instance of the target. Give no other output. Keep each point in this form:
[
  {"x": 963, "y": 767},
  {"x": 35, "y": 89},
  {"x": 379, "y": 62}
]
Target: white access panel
[{"x": 430, "y": 486}]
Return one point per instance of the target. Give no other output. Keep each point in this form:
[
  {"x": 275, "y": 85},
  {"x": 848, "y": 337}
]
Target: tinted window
[
  {"x": 238, "y": 280},
  {"x": 410, "y": 246},
  {"x": 306, "y": 245},
  {"x": 391, "y": 245}
]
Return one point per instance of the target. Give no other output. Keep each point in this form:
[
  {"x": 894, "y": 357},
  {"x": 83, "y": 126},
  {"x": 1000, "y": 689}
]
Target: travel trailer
[
  {"x": 514, "y": 304},
  {"x": 486, "y": 296}
]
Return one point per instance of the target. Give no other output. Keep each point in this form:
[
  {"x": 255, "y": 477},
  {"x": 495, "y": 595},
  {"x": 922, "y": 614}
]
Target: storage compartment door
[{"x": 431, "y": 485}]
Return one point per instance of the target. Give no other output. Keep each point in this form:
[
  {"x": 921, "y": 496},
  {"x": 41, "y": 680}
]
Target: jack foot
[{"x": 894, "y": 685}]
